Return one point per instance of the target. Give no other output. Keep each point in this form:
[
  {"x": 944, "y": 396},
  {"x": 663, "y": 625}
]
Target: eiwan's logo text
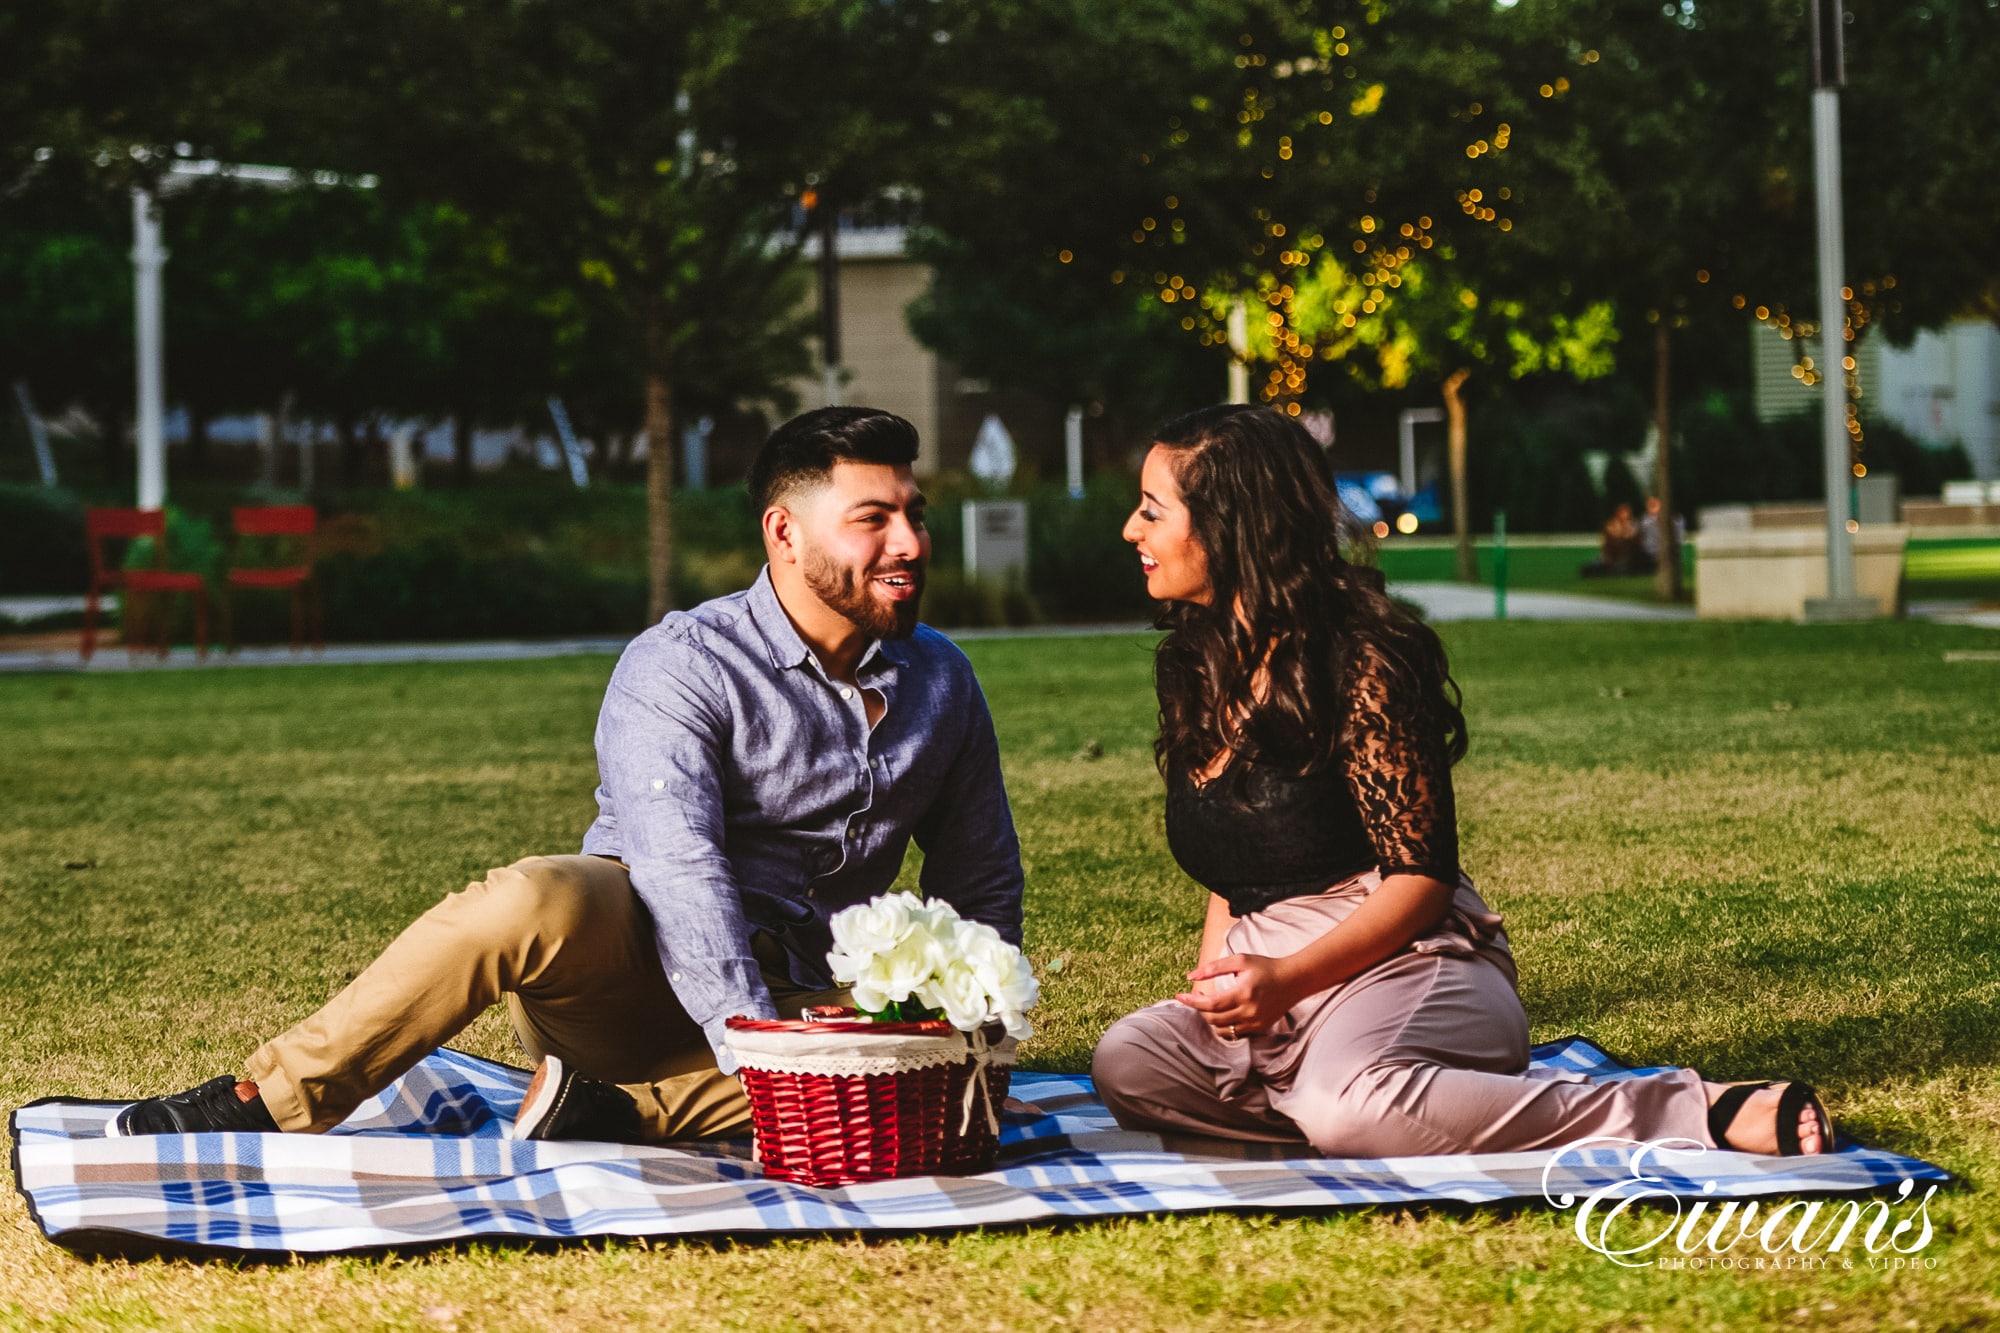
[{"x": 1801, "y": 1233}]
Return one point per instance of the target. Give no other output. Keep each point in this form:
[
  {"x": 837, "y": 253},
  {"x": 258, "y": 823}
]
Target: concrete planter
[{"x": 1768, "y": 573}]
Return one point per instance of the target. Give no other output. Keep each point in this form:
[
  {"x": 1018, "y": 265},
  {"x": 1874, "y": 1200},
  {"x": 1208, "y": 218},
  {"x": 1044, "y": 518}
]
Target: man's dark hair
[{"x": 802, "y": 452}]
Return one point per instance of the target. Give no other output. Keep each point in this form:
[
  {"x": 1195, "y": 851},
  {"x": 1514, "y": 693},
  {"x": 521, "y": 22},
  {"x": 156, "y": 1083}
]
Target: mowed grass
[
  {"x": 1942, "y": 569},
  {"x": 1756, "y": 849}
]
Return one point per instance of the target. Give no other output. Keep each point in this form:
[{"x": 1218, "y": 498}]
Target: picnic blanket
[{"x": 427, "y": 1161}]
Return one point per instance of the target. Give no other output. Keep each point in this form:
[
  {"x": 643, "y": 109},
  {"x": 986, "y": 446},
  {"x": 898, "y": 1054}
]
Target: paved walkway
[
  {"x": 1440, "y": 602},
  {"x": 1980, "y": 615},
  {"x": 63, "y": 657},
  {"x": 1472, "y": 601},
  {"x": 34, "y": 608}
]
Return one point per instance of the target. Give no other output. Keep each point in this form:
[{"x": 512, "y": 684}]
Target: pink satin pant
[{"x": 1424, "y": 1053}]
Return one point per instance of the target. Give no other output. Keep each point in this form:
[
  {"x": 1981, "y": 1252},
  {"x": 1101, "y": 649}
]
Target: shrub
[
  {"x": 437, "y": 589},
  {"x": 42, "y": 546}
]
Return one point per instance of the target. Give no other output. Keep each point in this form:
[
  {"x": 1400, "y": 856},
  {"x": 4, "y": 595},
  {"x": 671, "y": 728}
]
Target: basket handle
[{"x": 975, "y": 1087}]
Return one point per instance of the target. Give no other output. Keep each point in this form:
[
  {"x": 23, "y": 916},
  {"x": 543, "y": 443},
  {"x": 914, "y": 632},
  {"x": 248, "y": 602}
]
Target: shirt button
[
  {"x": 673, "y": 976},
  {"x": 846, "y": 693},
  {"x": 659, "y": 784}
]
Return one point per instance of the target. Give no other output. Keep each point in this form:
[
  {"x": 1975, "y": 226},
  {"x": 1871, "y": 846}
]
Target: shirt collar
[{"x": 781, "y": 636}]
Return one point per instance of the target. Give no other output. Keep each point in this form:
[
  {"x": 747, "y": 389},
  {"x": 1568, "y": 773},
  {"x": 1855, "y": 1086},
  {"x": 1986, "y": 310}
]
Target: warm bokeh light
[
  {"x": 1381, "y": 529},
  {"x": 1406, "y": 523}
]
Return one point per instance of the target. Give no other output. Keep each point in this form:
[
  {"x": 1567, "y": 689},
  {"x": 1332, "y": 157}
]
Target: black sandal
[{"x": 1797, "y": 1096}]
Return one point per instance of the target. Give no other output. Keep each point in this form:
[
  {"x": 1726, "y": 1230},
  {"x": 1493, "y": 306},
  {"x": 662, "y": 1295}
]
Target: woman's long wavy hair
[{"x": 1262, "y": 504}]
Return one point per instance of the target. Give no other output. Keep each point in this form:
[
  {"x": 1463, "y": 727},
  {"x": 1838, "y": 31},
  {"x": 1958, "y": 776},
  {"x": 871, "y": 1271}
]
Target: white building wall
[
  {"x": 885, "y": 365},
  {"x": 1944, "y": 388},
  {"x": 1975, "y": 366},
  {"x": 1916, "y": 392}
]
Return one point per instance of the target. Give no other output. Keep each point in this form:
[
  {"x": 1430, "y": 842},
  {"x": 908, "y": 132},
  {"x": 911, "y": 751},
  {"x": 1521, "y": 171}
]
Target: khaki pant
[
  {"x": 1424, "y": 1053},
  {"x": 570, "y": 947}
]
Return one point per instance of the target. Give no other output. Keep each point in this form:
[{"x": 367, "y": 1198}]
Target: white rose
[
  {"x": 954, "y": 989},
  {"x": 1017, "y": 1024},
  {"x": 873, "y": 927},
  {"x": 892, "y": 977},
  {"x": 937, "y": 917},
  {"x": 1001, "y": 968}
]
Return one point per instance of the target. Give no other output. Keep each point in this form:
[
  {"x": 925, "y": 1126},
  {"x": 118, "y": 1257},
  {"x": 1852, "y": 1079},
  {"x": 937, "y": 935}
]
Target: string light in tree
[
  {"x": 1860, "y": 312},
  {"x": 1350, "y": 291}
]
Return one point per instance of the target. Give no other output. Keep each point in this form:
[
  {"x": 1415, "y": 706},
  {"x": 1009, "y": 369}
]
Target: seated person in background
[
  {"x": 1649, "y": 533},
  {"x": 765, "y": 760},
  {"x": 1618, "y": 551}
]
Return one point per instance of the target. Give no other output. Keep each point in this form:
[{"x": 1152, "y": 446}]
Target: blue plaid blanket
[{"x": 427, "y": 1162}]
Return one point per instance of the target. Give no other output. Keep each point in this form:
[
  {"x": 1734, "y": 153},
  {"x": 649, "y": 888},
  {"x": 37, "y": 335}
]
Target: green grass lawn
[
  {"x": 1759, "y": 849},
  {"x": 1531, "y": 568},
  {"x": 1951, "y": 568}
]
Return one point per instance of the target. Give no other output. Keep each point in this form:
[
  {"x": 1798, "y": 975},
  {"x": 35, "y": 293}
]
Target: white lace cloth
[{"x": 839, "y": 1050}]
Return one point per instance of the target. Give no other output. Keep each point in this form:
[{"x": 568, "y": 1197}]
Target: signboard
[{"x": 996, "y": 540}]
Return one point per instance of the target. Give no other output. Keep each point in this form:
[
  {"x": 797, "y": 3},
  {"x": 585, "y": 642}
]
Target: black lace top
[{"x": 1257, "y": 835}]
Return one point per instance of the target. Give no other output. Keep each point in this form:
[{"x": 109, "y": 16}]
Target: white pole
[
  {"x": 403, "y": 457},
  {"x": 1239, "y": 354},
  {"x": 38, "y": 433},
  {"x": 1833, "y": 346},
  {"x": 579, "y": 469},
  {"x": 148, "y": 256},
  {"x": 1829, "y": 73},
  {"x": 1073, "y": 451}
]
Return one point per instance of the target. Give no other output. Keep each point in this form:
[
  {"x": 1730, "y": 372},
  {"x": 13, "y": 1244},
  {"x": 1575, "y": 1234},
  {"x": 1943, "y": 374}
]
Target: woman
[{"x": 1351, "y": 989}]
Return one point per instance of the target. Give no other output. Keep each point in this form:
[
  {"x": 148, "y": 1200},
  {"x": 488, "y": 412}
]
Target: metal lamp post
[{"x": 1829, "y": 73}]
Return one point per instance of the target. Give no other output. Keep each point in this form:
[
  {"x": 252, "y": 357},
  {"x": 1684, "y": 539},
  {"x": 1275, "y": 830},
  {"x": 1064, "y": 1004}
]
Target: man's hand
[{"x": 1241, "y": 995}]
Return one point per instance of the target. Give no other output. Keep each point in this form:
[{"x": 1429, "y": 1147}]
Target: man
[{"x": 765, "y": 759}]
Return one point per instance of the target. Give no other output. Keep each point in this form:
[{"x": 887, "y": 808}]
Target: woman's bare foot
[{"x": 1754, "y": 1128}]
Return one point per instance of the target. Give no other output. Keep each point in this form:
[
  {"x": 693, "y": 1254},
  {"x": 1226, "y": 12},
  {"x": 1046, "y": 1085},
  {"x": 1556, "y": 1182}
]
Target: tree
[
  {"x": 1385, "y": 240},
  {"x": 634, "y": 156},
  {"x": 1309, "y": 165},
  {"x": 1051, "y": 117},
  {"x": 1684, "y": 175},
  {"x": 66, "y": 325}
]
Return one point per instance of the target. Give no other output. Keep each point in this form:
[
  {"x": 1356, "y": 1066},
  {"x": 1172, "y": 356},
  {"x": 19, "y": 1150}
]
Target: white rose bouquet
[{"x": 907, "y": 959}]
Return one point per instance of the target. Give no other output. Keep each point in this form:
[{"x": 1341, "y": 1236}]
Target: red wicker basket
[{"x": 822, "y": 1117}]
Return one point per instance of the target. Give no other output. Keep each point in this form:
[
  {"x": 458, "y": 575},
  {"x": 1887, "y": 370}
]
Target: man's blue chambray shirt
[{"x": 746, "y": 792}]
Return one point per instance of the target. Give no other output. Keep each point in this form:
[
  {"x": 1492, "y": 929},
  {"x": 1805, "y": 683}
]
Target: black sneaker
[
  {"x": 211, "y": 1108},
  {"x": 563, "y": 1104}
]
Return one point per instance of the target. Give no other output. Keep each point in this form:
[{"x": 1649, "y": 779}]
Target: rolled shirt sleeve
[{"x": 661, "y": 739}]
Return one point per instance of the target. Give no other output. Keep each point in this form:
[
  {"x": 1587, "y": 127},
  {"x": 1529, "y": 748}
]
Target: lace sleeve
[{"x": 1398, "y": 772}]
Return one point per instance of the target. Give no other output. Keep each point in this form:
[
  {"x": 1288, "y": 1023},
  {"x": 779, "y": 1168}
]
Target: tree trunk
[
  {"x": 1461, "y": 508},
  {"x": 1667, "y": 573},
  {"x": 461, "y": 448},
  {"x": 659, "y": 493}
]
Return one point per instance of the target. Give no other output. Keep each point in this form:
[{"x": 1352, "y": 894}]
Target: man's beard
[{"x": 847, "y": 593}]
